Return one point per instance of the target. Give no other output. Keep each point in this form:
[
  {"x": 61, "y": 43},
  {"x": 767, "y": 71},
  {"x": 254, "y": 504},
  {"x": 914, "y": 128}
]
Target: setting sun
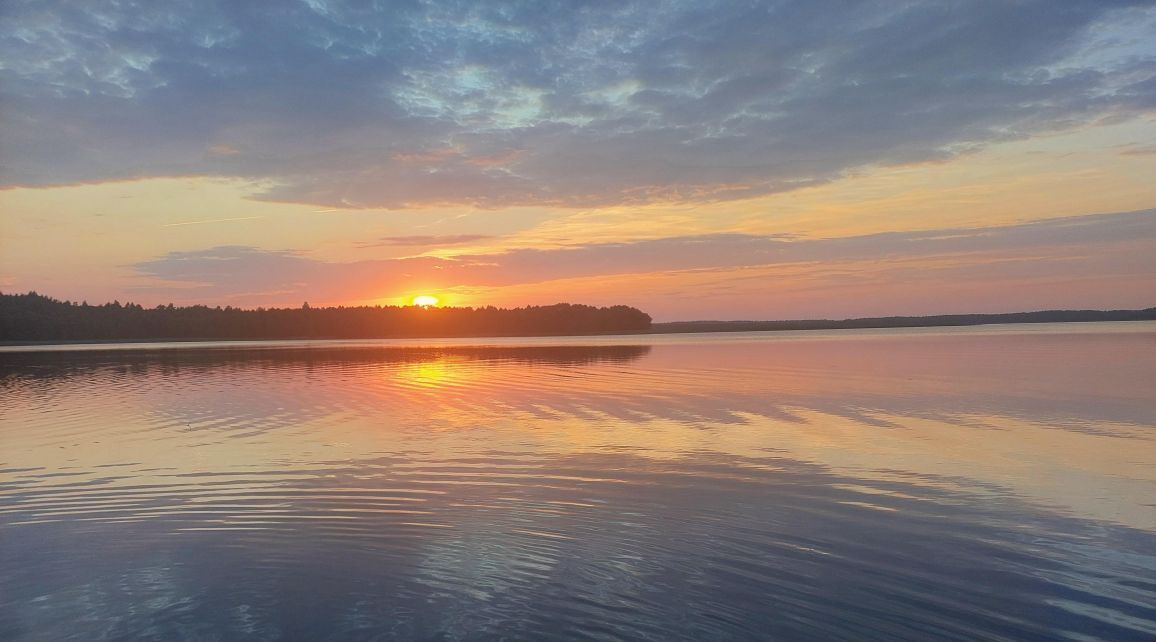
[{"x": 425, "y": 301}]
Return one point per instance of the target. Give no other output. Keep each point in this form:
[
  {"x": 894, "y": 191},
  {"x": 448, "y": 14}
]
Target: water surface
[{"x": 993, "y": 483}]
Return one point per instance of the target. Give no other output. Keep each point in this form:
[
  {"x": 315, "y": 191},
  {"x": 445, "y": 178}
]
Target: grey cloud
[
  {"x": 227, "y": 272},
  {"x": 272, "y": 269},
  {"x": 232, "y": 272},
  {"x": 352, "y": 104},
  {"x": 1139, "y": 150}
]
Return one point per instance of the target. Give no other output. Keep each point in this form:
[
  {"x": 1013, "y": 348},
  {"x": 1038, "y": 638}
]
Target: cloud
[
  {"x": 214, "y": 220},
  {"x": 254, "y": 275},
  {"x": 348, "y": 104},
  {"x": 425, "y": 240},
  {"x": 1138, "y": 150}
]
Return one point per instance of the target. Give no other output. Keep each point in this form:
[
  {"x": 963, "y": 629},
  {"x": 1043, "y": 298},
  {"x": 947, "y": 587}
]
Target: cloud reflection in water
[{"x": 904, "y": 485}]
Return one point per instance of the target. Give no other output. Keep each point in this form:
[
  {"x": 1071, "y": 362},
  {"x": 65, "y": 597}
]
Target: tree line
[
  {"x": 1042, "y": 316},
  {"x": 34, "y": 317}
]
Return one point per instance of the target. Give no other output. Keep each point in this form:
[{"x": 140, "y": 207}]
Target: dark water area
[{"x": 993, "y": 483}]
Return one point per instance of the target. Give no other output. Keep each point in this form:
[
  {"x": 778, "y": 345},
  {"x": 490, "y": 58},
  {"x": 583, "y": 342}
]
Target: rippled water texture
[{"x": 982, "y": 483}]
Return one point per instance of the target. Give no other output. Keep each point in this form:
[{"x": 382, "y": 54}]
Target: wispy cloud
[
  {"x": 1138, "y": 150},
  {"x": 424, "y": 240},
  {"x": 214, "y": 220}
]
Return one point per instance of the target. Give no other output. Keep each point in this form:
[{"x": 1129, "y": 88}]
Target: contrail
[{"x": 215, "y": 220}]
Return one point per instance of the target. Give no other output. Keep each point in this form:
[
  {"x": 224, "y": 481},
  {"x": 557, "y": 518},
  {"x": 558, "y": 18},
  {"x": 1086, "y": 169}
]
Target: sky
[{"x": 695, "y": 159}]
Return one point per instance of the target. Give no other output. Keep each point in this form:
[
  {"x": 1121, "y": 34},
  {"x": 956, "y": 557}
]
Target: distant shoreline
[
  {"x": 934, "y": 321},
  {"x": 692, "y": 327}
]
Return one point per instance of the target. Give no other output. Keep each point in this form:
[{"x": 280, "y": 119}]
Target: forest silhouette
[{"x": 34, "y": 317}]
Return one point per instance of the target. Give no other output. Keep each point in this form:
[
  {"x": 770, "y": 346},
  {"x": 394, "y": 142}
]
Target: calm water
[{"x": 982, "y": 483}]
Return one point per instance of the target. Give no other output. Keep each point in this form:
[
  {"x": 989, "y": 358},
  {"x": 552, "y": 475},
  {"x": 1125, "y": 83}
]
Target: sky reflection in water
[{"x": 950, "y": 484}]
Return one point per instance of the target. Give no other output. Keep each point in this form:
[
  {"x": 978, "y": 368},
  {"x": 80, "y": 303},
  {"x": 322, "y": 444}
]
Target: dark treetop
[
  {"x": 33, "y": 317},
  {"x": 1043, "y": 316}
]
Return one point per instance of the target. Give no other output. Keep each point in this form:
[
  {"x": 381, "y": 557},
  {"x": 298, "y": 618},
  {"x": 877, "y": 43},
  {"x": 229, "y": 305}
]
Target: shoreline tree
[{"x": 34, "y": 317}]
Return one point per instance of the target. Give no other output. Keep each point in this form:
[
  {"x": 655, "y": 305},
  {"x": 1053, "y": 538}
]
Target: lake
[{"x": 994, "y": 483}]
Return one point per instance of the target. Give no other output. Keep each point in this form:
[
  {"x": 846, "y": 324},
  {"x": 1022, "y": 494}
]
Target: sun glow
[{"x": 425, "y": 301}]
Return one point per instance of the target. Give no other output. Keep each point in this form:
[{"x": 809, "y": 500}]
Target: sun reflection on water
[{"x": 530, "y": 473}]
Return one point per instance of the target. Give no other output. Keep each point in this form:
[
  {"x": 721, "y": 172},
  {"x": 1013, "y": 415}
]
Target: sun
[{"x": 425, "y": 301}]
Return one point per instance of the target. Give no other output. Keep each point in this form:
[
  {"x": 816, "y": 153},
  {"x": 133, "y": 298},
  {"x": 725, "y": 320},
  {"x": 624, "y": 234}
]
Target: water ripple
[{"x": 831, "y": 490}]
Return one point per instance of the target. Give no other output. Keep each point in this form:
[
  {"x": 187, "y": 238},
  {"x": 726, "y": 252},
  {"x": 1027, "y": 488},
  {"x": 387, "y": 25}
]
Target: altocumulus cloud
[
  {"x": 357, "y": 104},
  {"x": 1124, "y": 239}
]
